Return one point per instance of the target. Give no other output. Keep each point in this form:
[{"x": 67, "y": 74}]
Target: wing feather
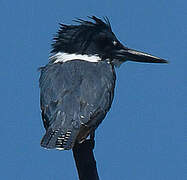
[{"x": 75, "y": 97}]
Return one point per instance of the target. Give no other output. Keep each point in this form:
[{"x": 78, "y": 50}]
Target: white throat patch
[{"x": 64, "y": 57}]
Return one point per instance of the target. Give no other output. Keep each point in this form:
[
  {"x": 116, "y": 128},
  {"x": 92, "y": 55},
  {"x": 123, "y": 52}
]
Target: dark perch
[{"x": 85, "y": 161}]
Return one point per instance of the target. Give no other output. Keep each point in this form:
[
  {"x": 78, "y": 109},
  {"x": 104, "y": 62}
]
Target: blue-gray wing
[{"x": 75, "y": 97}]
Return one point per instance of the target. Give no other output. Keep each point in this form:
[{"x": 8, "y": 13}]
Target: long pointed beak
[{"x": 133, "y": 55}]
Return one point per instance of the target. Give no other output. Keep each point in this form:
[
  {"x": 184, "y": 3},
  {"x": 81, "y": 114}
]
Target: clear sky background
[{"x": 143, "y": 136}]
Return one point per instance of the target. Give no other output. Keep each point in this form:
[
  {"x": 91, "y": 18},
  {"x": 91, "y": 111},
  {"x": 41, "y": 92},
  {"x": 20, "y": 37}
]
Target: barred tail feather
[{"x": 58, "y": 139}]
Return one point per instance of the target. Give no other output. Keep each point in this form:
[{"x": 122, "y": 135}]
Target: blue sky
[{"x": 143, "y": 136}]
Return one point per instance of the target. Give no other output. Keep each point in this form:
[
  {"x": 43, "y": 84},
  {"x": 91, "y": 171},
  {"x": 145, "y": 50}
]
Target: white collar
[{"x": 64, "y": 57}]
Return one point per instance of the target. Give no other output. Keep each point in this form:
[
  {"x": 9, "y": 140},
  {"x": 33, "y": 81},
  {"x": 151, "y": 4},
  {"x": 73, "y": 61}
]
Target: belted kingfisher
[{"x": 77, "y": 85}]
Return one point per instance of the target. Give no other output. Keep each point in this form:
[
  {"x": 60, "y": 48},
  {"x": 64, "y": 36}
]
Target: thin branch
[{"x": 85, "y": 161}]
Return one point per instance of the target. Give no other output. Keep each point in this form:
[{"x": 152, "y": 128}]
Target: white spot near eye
[{"x": 115, "y": 43}]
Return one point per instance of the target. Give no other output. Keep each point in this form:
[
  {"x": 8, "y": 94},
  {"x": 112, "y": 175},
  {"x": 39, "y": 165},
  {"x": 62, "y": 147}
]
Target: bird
[{"x": 77, "y": 84}]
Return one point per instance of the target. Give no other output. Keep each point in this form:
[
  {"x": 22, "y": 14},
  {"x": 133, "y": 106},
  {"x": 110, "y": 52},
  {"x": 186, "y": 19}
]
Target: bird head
[{"x": 95, "y": 38}]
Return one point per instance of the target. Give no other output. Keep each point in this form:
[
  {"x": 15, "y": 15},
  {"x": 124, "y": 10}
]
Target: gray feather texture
[{"x": 75, "y": 97}]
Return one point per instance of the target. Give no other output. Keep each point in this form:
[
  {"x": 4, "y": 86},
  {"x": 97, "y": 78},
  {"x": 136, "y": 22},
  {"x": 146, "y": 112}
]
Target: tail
[{"x": 58, "y": 139}]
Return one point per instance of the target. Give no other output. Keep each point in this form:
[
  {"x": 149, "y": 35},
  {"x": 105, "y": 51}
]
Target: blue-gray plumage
[
  {"x": 77, "y": 85},
  {"x": 75, "y": 97}
]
